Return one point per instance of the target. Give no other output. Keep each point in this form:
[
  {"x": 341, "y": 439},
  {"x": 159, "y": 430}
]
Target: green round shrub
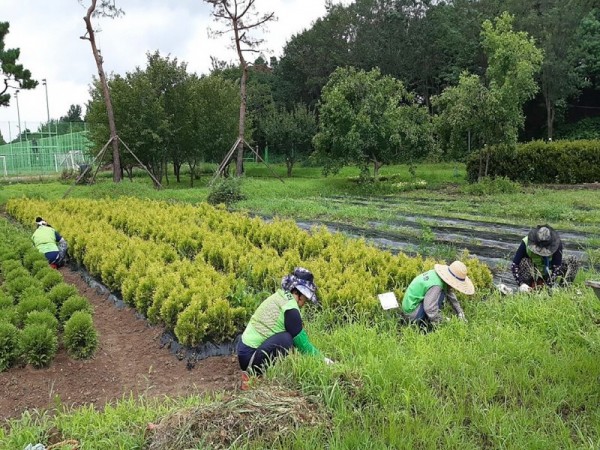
[
  {"x": 6, "y": 301},
  {"x": 15, "y": 286},
  {"x": 17, "y": 272},
  {"x": 10, "y": 315},
  {"x": 39, "y": 303},
  {"x": 38, "y": 345},
  {"x": 8, "y": 253},
  {"x": 80, "y": 336},
  {"x": 35, "y": 290},
  {"x": 9, "y": 345},
  {"x": 62, "y": 291},
  {"x": 51, "y": 279},
  {"x": 10, "y": 264},
  {"x": 40, "y": 274},
  {"x": 33, "y": 256},
  {"x": 45, "y": 318},
  {"x": 73, "y": 304},
  {"x": 39, "y": 265},
  {"x": 226, "y": 190},
  {"x": 22, "y": 246}
]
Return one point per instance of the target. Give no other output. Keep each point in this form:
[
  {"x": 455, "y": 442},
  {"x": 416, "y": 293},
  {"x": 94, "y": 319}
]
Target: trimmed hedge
[{"x": 561, "y": 162}]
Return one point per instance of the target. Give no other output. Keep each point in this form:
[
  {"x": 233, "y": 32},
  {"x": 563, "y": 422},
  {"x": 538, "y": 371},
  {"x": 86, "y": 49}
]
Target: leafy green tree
[
  {"x": 369, "y": 119},
  {"x": 491, "y": 107},
  {"x": 553, "y": 24},
  {"x": 73, "y": 114},
  {"x": 167, "y": 76},
  {"x": 167, "y": 116},
  {"x": 290, "y": 133},
  {"x": 588, "y": 51},
  {"x": 211, "y": 122},
  {"x": 9, "y": 69},
  {"x": 311, "y": 56},
  {"x": 143, "y": 121},
  {"x": 260, "y": 101},
  {"x": 426, "y": 44}
]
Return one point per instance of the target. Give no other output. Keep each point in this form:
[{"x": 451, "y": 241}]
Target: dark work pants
[{"x": 256, "y": 359}]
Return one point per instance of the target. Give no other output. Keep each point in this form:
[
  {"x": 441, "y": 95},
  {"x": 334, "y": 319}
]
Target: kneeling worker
[
  {"x": 276, "y": 325},
  {"x": 425, "y": 295},
  {"x": 539, "y": 260},
  {"x": 47, "y": 240}
]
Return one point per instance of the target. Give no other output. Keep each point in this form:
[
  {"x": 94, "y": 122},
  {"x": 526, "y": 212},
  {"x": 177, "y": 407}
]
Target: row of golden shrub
[
  {"x": 567, "y": 162},
  {"x": 151, "y": 276},
  {"x": 35, "y": 305},
  {"x": 188, "y": 265}
]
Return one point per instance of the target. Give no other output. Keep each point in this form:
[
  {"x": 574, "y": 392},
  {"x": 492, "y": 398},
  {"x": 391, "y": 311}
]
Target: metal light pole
[
  {"x": 47, "y": 107},
  {"x": 18, "y": 113},
  {"x": 45, "y": 83}
]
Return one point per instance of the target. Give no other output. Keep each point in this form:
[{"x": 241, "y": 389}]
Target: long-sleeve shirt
[
  {"x": 431, "y": 304},
  {"x": 552, "y": 264}
]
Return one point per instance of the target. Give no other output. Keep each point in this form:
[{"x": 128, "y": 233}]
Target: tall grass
[{"x": 522, "y": 373}]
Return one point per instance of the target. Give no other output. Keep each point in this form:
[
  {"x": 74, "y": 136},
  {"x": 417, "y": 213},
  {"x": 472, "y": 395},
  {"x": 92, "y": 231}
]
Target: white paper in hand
[{"x": 388, "y": 300}]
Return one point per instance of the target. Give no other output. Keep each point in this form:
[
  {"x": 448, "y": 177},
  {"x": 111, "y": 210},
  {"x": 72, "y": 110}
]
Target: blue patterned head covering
[{"x": 303, "y": 280}]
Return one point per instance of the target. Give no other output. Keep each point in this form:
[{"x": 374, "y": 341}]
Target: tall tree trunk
[
  {"x": 239, "y": 167},
  {"x": 117, "y": 173},
  {"x": 376, "y": 166},
  {"x": 192, "y": 173},
  {"x": 550, "y": 113}
]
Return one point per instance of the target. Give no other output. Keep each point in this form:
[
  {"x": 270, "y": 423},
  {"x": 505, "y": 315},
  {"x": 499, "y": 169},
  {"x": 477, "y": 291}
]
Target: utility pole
[
  {"x": 45, "y": 83},
  {"x": 18, "y": 114}
]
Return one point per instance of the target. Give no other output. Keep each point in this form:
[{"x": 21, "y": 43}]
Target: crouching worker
[
  {"x": 276, "y": 325},
  {"x": 47, "y": 240},
  {"x": 539, "y": 260},
  {"x": 424, "y": 298}
]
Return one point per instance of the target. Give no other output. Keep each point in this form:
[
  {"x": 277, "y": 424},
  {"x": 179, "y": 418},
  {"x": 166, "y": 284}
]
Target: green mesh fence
[{"x": 38, "y": 154}]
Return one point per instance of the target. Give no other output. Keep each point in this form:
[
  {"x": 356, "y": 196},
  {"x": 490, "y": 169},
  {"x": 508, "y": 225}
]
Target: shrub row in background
[
  {"x": 201, "y": 270},
  {"x": 35, "y": 304},
  {"x": 565, "y": 162}
]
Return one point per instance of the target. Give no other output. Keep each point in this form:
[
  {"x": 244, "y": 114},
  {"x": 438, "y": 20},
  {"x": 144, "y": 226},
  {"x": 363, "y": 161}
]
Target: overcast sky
[{"x": 48, "y": 34}]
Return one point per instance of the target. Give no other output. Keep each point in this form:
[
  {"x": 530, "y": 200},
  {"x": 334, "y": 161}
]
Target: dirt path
[{"x": 129, "y": 360}]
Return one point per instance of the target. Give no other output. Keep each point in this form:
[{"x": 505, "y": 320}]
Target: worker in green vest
[
  {"x": 424, "y": 298},
  {"x": 276, "y": 326},
  {"x": 539, "y": 260},
  {"x": 47, "y": 240}
]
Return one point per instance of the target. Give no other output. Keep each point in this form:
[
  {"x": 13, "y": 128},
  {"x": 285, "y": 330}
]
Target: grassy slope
[{"x": 521, "y": 374}]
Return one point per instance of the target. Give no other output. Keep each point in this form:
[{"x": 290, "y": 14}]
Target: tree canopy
[
  {"x": 13, "y": 74},
  {"x": 367, "y": 118},
  {"x": 490, "y": 108}
]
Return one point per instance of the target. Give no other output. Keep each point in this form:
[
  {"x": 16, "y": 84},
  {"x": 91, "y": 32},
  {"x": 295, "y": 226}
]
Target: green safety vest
[
  {"x": 268, "y": 319},
  {"x": 540, "y": 262},
  {"x": 44, "y": 239},
  {"x": 415, "y": 293}
]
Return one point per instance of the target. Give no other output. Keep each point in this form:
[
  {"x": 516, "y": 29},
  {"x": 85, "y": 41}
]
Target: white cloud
[{"x": 48, "y": 35}]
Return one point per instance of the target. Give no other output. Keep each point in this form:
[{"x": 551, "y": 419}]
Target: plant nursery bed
[{"x": 130, "y": 361}]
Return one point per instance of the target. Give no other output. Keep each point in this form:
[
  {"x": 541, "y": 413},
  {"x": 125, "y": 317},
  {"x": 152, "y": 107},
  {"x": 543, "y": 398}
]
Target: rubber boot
[{"x": 245, "y": 385}]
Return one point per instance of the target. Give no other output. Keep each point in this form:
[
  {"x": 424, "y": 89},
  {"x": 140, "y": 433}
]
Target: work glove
[
  {"x": 524, "y": 288},
  {"x": 504, "y": 289},
  {"x": 328, "y": 361}
]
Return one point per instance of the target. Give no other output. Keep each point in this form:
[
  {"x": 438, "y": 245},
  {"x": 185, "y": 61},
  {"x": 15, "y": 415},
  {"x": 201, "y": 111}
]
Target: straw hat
[
  {"x": 455, "y": 275},
  {"x": 543, "y": 240}
]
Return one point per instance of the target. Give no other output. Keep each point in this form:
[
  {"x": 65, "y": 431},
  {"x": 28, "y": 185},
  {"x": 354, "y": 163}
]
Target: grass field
[{"x": 521, "y": 374}]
